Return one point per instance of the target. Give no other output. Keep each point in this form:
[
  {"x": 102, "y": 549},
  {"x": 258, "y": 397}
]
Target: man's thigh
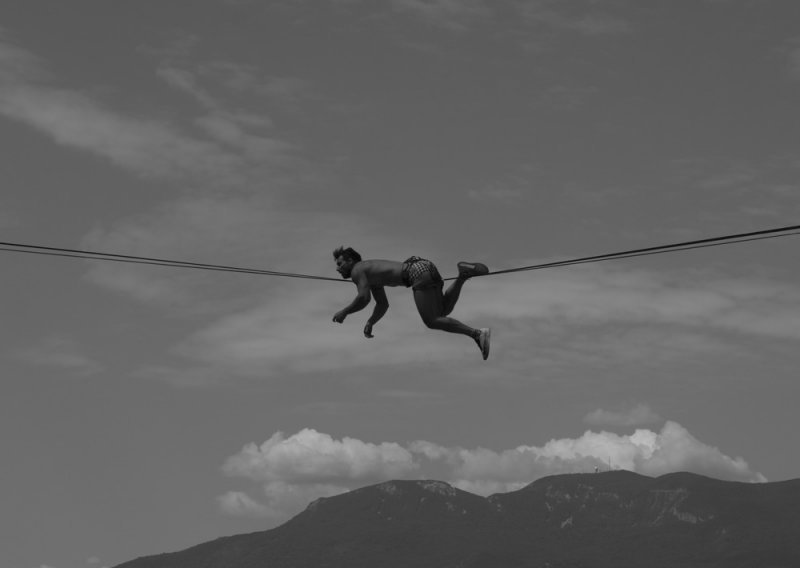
[{"x": 429, "y": 302}]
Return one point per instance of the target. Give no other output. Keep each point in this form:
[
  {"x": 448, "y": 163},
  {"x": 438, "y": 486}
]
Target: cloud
[
  {"x": 232, "y": 127},
  {"x": 606, "y": 294},
  {"x": 675, "y": 449},
  {"x": 256, "y": 327},
  {"x": 592, "y": 314},
  {"x": 313, "y": 457},
  {"x": 228, "y": 80},
  {"x": 638, "y": 415},
  {"x": 292, "y": 332},
  {"x": 297, "y": 469},
  {"x": 147, "y": 147},
  {"x": 645, "y": 451}
]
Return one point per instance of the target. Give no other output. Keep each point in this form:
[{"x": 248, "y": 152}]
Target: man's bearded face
[{"x": 344, "y": 266}]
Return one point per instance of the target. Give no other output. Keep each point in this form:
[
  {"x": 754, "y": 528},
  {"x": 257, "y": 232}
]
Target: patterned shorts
[{"x": 420, "y": 274}]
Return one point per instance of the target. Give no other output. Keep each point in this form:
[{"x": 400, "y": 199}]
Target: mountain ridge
[{"x": 616, "y": 518}]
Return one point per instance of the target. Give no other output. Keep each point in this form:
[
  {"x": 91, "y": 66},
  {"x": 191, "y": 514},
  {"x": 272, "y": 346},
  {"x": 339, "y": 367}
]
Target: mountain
[{"x": 614, "y": 519}]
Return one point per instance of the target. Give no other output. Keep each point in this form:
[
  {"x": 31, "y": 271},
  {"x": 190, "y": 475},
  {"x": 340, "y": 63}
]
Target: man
[{"x": 421, "y": 275}]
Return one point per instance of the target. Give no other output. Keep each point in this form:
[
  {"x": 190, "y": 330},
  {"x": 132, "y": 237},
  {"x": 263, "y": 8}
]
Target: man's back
[{"x": 380, "y": 272}]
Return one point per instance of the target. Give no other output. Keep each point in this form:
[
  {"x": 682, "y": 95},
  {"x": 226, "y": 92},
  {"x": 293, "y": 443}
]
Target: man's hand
[
  {"x": 339, "y": 316},
  {"x": 368, "y": 330}
]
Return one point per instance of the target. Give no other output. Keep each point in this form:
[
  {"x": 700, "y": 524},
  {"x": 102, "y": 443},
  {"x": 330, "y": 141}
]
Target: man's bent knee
[{"x": 435, "y": 323}]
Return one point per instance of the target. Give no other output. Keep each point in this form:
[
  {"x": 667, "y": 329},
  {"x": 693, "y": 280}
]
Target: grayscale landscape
[{"x": 184, "y": 367}]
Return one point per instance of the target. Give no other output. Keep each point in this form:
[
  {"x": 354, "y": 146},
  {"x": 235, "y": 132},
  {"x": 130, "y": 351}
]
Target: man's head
[{"x": 346, "y": 259}]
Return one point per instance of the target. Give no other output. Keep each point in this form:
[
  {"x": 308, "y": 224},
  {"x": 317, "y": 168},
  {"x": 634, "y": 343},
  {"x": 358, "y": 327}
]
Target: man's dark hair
[{"x": 348, "y": 253}]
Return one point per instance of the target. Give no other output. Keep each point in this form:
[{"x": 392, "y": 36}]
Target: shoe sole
[
  {"x": 472, "y": 269},
  {"x": 486, "y": 343}
]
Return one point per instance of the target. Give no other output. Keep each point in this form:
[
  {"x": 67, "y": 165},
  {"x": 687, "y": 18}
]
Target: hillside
[{"x": 614, "y": 519}]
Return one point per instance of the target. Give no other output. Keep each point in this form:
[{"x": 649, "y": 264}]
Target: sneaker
[
  {"x": 483, "y": 341},
  {"x": 470, "y": 269}
]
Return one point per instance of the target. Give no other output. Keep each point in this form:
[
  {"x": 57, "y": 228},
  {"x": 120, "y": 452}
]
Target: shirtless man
[{"x": 421, "y": 275}]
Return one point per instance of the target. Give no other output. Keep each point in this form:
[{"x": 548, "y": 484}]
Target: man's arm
[
  {"x": 361, "y": 300},
  {"x": 381, "y": 305}
]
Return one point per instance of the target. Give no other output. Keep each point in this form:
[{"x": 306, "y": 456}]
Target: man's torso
[{"x": 382, "y": 272}]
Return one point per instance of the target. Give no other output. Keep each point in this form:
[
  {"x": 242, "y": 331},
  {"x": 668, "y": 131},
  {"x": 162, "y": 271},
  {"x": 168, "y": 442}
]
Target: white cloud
[
  {"x": 296, "y": 469},
  {"x": 645, "y": 451},
  {"x": 147, "y": 147},
  {"x": 313, "y": 457},
  {"x": 638, "y": 415},
  {"x": 675, "y": 449},
  {"x": 144, "y": 146}
]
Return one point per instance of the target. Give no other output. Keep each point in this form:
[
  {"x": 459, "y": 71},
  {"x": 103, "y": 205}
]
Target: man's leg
[
  {"x": 430, "y": 304},
  {"x": 466, "y": 270},
  {"x": 451, "y": 295}
]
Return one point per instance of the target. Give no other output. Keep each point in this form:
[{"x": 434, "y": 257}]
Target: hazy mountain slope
[{"x": 613, "y": 519}]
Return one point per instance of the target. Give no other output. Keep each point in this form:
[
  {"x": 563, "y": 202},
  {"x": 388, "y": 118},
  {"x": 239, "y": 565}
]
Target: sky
[{"x": 146, "y": 409}]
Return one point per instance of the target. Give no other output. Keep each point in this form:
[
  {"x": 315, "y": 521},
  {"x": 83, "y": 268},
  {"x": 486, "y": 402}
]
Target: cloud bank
[{"x": 296, "y": 469}]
